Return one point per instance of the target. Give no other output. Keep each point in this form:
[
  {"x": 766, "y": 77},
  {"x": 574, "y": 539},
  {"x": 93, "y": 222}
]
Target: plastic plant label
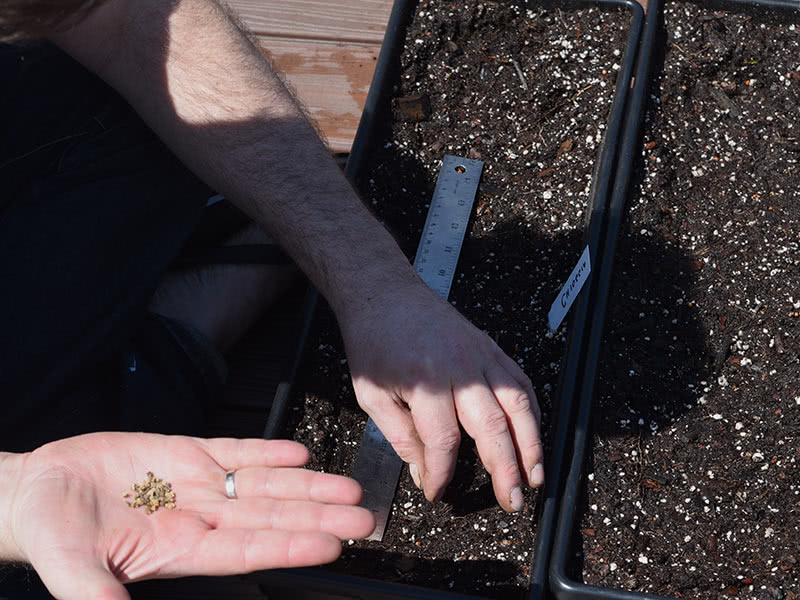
[{"x": 570, "y": 291}]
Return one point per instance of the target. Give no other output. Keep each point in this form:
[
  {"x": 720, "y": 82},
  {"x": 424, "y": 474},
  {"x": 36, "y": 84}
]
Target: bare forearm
[
  {"x": 10, "y": 475},
  {"x": 199, "y": 82}
]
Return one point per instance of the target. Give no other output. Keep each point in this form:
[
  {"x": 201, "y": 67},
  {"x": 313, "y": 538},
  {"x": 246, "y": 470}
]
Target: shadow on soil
[
  {"x": 441, "y": 574},
  {"x": 655, "y": 354},
  {"x": 653, "y": 358},
  {"x": 654, "y": 349}
]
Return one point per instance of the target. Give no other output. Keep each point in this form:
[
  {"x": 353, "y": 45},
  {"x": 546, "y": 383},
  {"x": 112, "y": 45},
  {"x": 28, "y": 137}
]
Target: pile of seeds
[{"x": 153, "y": 493}]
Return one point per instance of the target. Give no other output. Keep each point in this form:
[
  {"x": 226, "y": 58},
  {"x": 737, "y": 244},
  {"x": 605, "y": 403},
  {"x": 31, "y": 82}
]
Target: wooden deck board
[
  {"x": 327, "y": 50},
  {"x": 330, "y": 79},
  {"x": 333, "y": 20}
]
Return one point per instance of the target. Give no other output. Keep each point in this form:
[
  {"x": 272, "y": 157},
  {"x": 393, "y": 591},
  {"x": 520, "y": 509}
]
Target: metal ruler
[{"x": 377, "y": 467}]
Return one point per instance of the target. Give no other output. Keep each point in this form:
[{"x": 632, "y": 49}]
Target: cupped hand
[
  {"x": 419, "y": 368},
  {"x": 69, "y": 519}
]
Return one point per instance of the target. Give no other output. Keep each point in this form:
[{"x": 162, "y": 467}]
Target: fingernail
[
  {"x": 537, "y": 475},
  {"x": 517, "y": 501},
  {"x": 413, "y": 470}
]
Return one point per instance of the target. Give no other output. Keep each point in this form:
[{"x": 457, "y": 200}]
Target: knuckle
[
  {"x": 462, "y": 353},
  {"x": 501, "y": 468},
  {"x": 517, "y": 370},
  {"x": 424, "y": 366},
  {"x": 368, "y": 401},
  {"x": 497, "y": 353},
  {"x": 446, "y": 440},
  {"x": 270, "y": 482},
  {"x": 495, "y": 423},
  {"x": 524, "y": 379},
  {"x": 313, "y": 488},
  {"x": 522, "y": 374},
  {"x": 528, "y": 385},
  {"x": 406, "y": 448},
  {"x": 375, "y": 404},
  {"x": 519, "y": 403},
  {"x": 533, "y": 448},
  {"x": 507, "y": 470}
]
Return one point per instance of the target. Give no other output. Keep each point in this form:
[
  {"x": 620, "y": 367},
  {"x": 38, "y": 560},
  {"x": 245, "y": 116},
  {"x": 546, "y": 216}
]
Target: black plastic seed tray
[
  {"x": 570, "y": 373},
  {"x": 320, "y": 583},
  {"x": 771, "y": 4},
  {"x": 561, "y": 585}
]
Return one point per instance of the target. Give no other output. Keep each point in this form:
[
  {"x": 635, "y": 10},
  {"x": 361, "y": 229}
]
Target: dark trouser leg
[{"x": 93, "y": 210}]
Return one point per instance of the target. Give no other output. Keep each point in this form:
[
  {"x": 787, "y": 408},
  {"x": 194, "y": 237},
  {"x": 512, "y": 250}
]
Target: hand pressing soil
[{"x": 529, "y": 94}]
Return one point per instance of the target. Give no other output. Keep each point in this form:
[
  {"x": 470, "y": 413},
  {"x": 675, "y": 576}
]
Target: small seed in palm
[{"x": 153, "y": 493}]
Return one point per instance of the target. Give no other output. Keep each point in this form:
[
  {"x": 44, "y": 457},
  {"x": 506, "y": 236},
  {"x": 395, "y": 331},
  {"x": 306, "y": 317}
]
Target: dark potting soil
[
  {"x": 528, "y": 93},
  {"x": 694, "y": 490}
]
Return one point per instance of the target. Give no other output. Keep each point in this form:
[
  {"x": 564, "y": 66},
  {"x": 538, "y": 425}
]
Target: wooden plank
[
  {"x": 332, "y": 20},
  {"x": 330, "y": 79}
]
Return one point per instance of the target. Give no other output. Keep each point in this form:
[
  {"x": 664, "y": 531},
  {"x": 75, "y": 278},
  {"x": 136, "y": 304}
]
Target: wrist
[
  {"x": 11, "y": 466},
  {"x": 377, "y": 287}
]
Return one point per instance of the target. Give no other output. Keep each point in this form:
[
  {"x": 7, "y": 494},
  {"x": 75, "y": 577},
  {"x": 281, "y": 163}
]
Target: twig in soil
[
  {"x": 561, "y": 17},
  {"x": 576, "y": 96},
  {"x": 641, "y": 465},
  {"x": 685, "y": 53},
  {"x": 572, "y": 99},
  {"x": 521, "y": 74},
  {"x": 679, "y": 49},
  {"x": 752, "y": 312}
]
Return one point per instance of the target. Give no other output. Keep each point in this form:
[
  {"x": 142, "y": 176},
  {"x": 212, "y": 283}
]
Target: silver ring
[{"x": 230, "y": 485}]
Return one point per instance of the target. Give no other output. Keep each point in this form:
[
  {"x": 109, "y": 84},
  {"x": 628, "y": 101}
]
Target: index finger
[{"x": 437, "y": 426}]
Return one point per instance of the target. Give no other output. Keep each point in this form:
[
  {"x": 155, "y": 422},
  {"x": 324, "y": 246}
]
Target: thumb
[{"x": 83, "y": 580}]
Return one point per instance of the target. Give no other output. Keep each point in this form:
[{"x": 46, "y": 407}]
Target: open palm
[{"x": 70, "y": 521}]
